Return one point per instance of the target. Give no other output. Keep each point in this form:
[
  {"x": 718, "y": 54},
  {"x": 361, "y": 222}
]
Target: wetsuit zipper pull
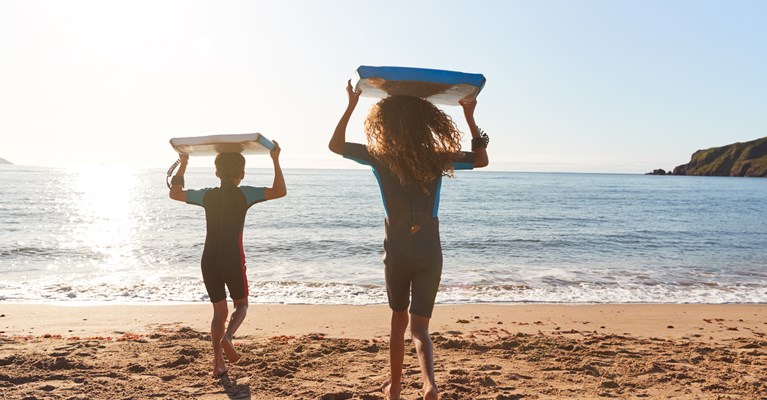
[{"x": 414, "y": 228}]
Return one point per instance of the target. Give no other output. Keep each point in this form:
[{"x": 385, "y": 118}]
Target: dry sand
[{"x": 341, "y": 352}]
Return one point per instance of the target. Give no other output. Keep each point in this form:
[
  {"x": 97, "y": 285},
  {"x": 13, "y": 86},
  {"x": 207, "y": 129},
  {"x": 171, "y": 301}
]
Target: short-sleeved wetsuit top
[
  {"x": 412, "y": 248},
  {"x": 223, "y": 259}
]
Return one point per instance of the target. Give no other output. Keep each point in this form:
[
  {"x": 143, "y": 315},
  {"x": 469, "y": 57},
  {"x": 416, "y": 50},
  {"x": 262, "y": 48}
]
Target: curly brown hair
[{"x": 414, "y": 138}]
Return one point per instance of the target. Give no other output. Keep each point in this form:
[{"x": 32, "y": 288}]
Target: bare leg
[
  {"x": 399, "y": 321},
  {"x": 217, "y": 325},
  {"x": 419, "y": 328},
  {"x": 240, "y": 310}
]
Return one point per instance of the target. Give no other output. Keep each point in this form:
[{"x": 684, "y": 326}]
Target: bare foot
[
  {"x": 219, "y": 366},
  {"x": 231, "y": 353},
  {"x": 391, "y": 392},
  {"x": 430, "y": 393},
  {"x": 219, "y": 372}
]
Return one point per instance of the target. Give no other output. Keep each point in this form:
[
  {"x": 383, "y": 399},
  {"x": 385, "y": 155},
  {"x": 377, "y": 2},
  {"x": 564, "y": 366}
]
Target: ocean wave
[
  {"x": 14, "y": 254},
  {"x": 323, "y": 293},
  {"x": 24, "y": 250}
]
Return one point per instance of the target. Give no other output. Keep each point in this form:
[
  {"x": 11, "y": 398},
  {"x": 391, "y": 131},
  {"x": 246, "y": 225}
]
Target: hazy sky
[{"x": 592, "y": 86}]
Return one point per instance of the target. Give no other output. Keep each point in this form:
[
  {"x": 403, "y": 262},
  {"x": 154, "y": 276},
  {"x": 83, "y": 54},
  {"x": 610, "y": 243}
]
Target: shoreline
[
  {"x": 482, "y": 352},
  {"x": 365, "y": 321}
]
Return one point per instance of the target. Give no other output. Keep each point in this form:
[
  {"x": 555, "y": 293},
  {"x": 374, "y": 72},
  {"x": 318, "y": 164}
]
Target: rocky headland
[
  {"x": 737, "y": 159},
  {"x": 3, "y": 161}
]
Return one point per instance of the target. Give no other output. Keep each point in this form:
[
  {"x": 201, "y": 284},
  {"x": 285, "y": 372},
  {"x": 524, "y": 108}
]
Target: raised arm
[
  {"x": 177, "y": 183},
  {"x": 336, "y": 144},
  {"x": 278, "y": 188},
  {"x": 480, "y": 152}
]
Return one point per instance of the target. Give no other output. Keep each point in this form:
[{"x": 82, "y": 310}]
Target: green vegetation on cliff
[{"x": 738, "y": 159}]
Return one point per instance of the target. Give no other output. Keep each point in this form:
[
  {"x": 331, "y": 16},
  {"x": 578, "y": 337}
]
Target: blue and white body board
[
  {"x": 245, "y": 143},
  {"x": 435, "y": 85}
]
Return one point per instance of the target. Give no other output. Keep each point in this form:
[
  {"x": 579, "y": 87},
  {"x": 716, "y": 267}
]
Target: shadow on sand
[{"x": 234, "y": 390}]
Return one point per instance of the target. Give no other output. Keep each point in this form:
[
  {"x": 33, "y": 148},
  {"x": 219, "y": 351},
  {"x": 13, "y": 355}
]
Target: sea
[{"x": 111, "y": 235}]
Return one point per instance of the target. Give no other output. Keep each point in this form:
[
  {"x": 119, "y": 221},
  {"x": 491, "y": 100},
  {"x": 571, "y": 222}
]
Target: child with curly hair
[{"x": 411, "y": 145}]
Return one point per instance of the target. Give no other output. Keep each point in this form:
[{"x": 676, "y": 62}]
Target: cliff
[
  {"x": 738, "y": 159},
  {"x": 4, "y": 161}
]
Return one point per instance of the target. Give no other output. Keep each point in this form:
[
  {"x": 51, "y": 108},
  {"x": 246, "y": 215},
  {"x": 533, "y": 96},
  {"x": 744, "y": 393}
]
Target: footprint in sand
[
  {"x": 136, "y": 368},
  {"x": 337, "y": 396},
  {"x": 179, "y": 361}
]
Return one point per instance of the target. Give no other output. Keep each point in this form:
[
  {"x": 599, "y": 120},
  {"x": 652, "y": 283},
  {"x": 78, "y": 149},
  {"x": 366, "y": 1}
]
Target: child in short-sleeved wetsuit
[
  {"x": 411, "y": 145},
  {"x": 223, "y": 259}
]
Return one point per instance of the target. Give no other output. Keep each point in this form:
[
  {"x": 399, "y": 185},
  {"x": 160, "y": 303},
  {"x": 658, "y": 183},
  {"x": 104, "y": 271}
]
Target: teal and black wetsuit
[
  {"x": 223, "y": 259},
  {"x": 412, "y": 248}
]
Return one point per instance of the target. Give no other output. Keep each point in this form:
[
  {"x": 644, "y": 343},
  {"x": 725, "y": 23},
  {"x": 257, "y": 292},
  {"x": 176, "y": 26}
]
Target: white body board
[
  {"x": 245, "y": 143},
  {"x": 435, "y": 85}
]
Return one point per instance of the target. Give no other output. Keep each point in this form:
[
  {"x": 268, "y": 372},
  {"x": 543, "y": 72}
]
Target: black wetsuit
[
  {"x": 223, "y": 260},
  {"x": 412, "y": 247}
]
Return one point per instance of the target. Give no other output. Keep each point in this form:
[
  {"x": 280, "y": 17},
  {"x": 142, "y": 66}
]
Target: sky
[{"x": 572, "y": 85}]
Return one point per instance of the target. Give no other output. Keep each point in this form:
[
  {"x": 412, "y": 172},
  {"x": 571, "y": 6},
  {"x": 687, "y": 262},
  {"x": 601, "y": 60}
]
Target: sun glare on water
[{"x": 103, "y": 214}]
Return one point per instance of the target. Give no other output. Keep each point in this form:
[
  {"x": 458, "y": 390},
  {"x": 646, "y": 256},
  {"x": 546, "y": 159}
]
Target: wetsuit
[
  {"x": 412, "y": 248},
  {"x": 223, "y": 260}
]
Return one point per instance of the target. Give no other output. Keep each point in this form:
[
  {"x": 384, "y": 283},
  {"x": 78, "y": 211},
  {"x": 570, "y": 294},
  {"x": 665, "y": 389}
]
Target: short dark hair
[{"x": 230, "y": 165}]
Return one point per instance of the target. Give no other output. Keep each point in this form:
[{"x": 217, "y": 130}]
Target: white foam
[{"x": 270, "y": 292}]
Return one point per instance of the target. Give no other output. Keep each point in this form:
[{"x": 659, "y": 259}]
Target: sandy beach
[{"x": 341, "y": 352}]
